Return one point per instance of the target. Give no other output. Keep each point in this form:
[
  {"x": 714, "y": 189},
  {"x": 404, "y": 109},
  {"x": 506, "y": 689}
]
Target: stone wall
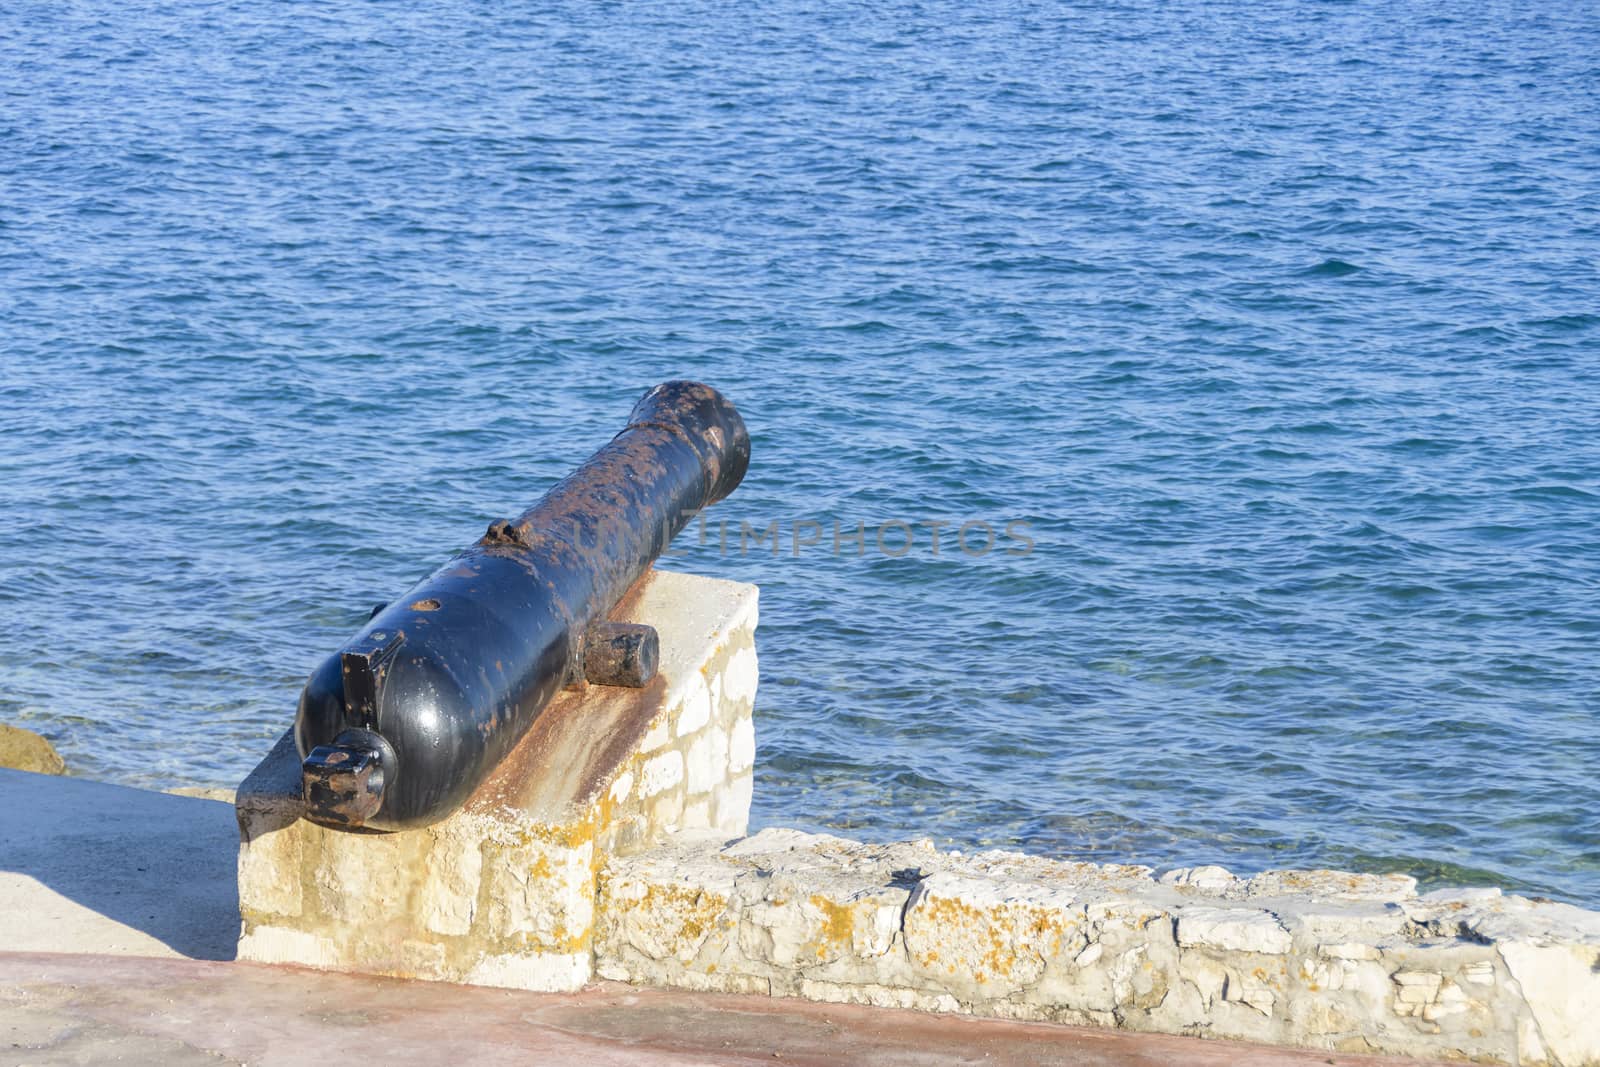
[
  {"x": 1354, "y": 963},
  {"x": 503, "y": 892},
  {"x": 608, "y": 844}
]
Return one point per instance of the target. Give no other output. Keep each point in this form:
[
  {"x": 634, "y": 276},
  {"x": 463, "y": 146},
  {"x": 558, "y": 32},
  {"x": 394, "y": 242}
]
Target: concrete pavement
[{"x": 91, "y": 867}]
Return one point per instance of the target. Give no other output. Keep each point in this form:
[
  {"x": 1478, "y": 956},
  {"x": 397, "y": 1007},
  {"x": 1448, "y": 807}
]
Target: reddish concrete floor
[{"x": 77, "y": 1009}]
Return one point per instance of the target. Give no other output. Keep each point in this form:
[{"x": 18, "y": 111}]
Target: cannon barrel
[{"x": 398, "y": 727}]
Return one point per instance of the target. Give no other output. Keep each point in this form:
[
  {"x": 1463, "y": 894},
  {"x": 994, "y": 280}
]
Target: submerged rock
[{"x": 24, "y": 750}]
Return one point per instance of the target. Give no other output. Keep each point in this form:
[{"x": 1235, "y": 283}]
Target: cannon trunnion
[{"x": 398, "y": 727}]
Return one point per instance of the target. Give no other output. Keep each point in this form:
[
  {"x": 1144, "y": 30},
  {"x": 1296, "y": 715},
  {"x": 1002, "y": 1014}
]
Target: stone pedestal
[{"x": 503, "y": 892}]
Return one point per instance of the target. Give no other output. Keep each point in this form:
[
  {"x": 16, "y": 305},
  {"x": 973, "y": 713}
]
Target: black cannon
[{"x": 399, "y": 726}]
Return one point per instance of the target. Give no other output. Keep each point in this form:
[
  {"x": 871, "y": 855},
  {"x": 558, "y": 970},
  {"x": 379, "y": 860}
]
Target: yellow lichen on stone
[
  {"x": 662, "y": 921},
  {"x": 991, "y": 947},
  {"x": 838, "y": 924}
]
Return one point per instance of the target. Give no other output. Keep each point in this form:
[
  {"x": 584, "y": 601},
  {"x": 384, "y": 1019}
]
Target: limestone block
[
  {"x": 695, "y": 711},
  {"x": 1513, "y": 918},
  {"x": 1329, "y": 921},
  {"x": 1138, "y": 980},
  {"x": 742, "y": 746},
  {"x": 739, "y": 677},
  {"x": 1209, "y": 878},
  {"x": 1233, "y": 930},
  {"x": 1332, "y": 885},
  {"x": 622, "y": 788},
  {"x": 661, "y": 773},
  {"x": 1318, "y": 1017},
  {"x": 706, "y": 764},
  {"x": 666, "y": 810},
  {"x": 1561, "y": 983},
  {"x": 983, "y": 938},
  {"x": 356, "y": 884},
  {"x": 731, "y": 806},
  {"x": 503, "y": 892},
  {"x": 663, "y": 905},
  {"x": 1530, "y": 1049},
  {"x": 696, "y": 814},
  {"x": 1446, "y": 903},
  {"x": 778, "y": 909},
  {"x": 269, "y": 863},
  {"x": 802, "y": 923},
  {"x": 1119, "y": 918},
  {"x": 1368, "y": 985},
  {"x": 449, "y": 896},
  {"x": 779, "y": 841},
  {"x": 540, "y": 893},
  {"x": 1208, "y": 976}
]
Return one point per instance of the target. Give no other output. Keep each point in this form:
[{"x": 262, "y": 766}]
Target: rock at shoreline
[
  {"x": 24, "y": 750},
  {"x": 204, "y": 792}
]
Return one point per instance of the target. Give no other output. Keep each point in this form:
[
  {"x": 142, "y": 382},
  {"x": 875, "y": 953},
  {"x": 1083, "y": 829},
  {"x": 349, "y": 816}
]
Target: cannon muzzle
[{"x": 398, "y": 727}]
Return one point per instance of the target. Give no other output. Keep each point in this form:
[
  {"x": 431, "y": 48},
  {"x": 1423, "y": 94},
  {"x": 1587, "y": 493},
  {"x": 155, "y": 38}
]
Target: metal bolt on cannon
[{"x": 398, "y": 727}]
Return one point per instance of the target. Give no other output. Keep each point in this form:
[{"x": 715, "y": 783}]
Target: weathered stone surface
[
  {"x": 1561, "y": 983},
  {"x": 1233, "y": 930},
  {"x": 1317, "y": 959},
  {"x": 1332, "y": 885},
  {"x": 1317, "y": 920},
  {"x": 503, "y": 892},
  {"x": 1212, "y": 879},
  {"x": 742, "y": 746},
  {"x": 24, "y": 750},
  {"x": 661, "y": 773},
  {"x": 977, "y": 937}
]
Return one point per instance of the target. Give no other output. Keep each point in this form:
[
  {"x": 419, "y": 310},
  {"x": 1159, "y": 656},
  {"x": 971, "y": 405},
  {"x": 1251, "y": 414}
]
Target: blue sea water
[{"x": 1277, "y": 324}]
